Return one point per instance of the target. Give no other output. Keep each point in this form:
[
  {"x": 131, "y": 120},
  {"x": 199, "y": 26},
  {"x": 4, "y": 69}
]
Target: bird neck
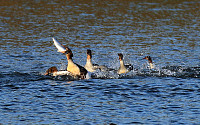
[
  {"x": 150, "y": 61},
  {"x": 89, "y": 61},
  {"x": 69, "y": 57},
  {"x": 121, "y": 63},
  {"x": 89, "y": 57}
]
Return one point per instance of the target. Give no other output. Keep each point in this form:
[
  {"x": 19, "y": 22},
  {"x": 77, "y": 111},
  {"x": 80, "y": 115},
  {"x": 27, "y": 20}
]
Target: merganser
[
  {"x": 90, "y": 66},
  {"x": 123, "y": 68},
  {"x": 74, "y": 68},
  {"x": 53, "y": 71},
  {"x": 150, "y": 62}
]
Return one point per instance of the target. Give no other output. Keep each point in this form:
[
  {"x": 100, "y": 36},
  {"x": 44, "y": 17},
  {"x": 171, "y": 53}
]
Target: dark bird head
[
  {"x": 89, "y": 54},
  {"x": 69, "y": 53},
  {"x": 120, "y": 56},
  {"x": 148, "y": 58},
  {"x": 51, "y": 70}
]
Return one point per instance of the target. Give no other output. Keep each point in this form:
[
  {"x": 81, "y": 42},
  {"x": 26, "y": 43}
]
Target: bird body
[
  {"x": 123, "y": 68},
  {"x": 93, "y": 67},
  {"x": 151, "y": 64}
]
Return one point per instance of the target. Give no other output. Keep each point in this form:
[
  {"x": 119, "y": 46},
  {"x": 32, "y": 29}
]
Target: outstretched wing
[{"x": 58, "y": 46}]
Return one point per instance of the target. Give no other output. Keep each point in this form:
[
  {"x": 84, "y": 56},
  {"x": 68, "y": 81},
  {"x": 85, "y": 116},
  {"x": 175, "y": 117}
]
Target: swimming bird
[
  {"x": 53, "y": 71},
  {"x": 90, "y": 66},
  {"x": 123, "y": 68},
  {"x": 150, "y": 62},
  {"x": 74, "y": 68}
]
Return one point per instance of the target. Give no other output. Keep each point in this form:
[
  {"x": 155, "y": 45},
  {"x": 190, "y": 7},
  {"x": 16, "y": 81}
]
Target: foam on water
[{"x": 167, "y": 71}]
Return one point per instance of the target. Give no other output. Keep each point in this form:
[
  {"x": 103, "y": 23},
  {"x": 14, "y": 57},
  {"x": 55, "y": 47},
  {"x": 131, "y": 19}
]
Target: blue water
[{"x": 167, "y": 31}]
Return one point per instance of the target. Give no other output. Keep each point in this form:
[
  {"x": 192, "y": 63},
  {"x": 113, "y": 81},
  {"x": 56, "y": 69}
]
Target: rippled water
[{"x": 168, "y": 31}]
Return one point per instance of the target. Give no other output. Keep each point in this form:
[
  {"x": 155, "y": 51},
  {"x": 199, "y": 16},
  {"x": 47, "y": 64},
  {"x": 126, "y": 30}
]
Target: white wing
[
  {"x": 58, "y": 45},
  {"x": 60, "y": 73}
]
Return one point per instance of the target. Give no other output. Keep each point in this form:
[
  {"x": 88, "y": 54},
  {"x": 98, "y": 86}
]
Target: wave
[
  {"x": 20, "y": 77},
  {"x": 168, "y": 71},
  {"x": 178, "y": 71},
  {"x": 33, "y": 76}
]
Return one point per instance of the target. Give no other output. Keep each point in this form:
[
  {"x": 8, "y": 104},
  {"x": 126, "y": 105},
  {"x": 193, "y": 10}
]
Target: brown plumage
[
  {"x": 51, "y": 70},
  {"x": 74, "y": 68}
]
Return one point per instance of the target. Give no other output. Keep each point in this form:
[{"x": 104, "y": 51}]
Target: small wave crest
[
  {"x": 10, "y": 77},
  {"x": 20, "y": 77}
]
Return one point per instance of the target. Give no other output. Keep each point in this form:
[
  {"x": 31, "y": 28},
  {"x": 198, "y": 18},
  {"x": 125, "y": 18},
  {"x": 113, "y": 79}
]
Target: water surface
[{"x": 168, "y": 31}]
